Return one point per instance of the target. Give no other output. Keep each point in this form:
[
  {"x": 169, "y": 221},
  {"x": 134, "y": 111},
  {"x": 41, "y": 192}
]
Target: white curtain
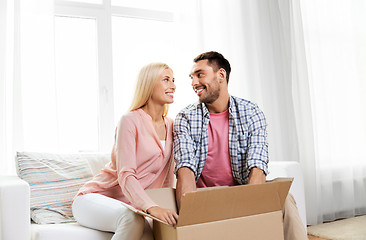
[
  {"x": 8, "y": 33},
  {"x": 250, "y": 35},
  {"x": 335, "y": 44},
  {"x": 26, "y": 59},
  {"x": 303, "y": 62},
  {"x": 328, "y": 58},
  {"x": 37, "y": 68}
]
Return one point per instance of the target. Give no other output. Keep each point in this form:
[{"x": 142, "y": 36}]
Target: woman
[{"x": 141, "y": 158}]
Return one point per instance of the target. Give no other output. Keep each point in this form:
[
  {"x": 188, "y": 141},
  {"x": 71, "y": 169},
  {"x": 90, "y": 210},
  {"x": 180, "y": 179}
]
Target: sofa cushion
[
  {"x": 69, "y": 231},
  {"x": 54, "y": 179}
]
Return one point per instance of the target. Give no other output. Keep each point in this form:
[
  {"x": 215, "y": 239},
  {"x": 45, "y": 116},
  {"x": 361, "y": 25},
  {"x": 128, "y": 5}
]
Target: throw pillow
[
  {"x": 54, "y": 180},
  {"x": 98, "y": 161}
]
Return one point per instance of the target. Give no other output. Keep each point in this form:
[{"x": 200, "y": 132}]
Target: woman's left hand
[{"x": 166, "y": 215}]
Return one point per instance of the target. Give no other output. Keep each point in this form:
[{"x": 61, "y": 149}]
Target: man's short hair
[{"x": 216, "y": 61}]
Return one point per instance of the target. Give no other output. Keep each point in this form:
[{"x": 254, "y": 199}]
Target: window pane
[
  {"x": 137, "y": 42},
  {"x": 86, "y": 1},
  {"x": 76, "y": 83},
  {"x": 161, "y": 5}
]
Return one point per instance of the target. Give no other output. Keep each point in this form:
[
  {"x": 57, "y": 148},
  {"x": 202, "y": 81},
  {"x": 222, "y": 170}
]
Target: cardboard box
[{"x": 239, "y": 212}]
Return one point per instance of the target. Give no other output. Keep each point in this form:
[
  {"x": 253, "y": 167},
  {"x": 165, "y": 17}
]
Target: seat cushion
[{"x": 66, "y": 231}]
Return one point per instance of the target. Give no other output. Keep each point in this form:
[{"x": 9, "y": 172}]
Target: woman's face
[{"x": 164, "y": 88}]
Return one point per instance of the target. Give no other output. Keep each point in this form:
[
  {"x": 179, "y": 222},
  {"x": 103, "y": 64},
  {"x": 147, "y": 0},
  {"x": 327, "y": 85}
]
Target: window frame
[{"x": 102, "y": 13}]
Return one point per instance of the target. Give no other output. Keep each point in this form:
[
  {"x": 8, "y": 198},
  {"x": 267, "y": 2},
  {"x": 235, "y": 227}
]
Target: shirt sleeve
[
  {"x": 184, "y": 146},
  {"x": 258, "y": 146},
  {"x": 126, "y": 165}
]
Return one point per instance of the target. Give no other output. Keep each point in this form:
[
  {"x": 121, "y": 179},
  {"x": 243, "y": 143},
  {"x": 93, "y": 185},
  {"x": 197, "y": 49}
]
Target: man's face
[{"x": 205, "y": 82}]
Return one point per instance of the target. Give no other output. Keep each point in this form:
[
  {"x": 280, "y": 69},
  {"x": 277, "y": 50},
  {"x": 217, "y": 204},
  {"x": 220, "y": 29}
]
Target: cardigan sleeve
[
  {"x": 126, "y": 164},
  {"x": 170, "y": 178}
]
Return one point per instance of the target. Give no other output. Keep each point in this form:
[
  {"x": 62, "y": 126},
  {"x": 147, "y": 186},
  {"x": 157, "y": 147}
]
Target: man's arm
[
  {"x": 185, "y": 183},
  {"x": 256, "y": 176},
  {"x": 184, "y": 155},
  {"x": 257, "y": 157}
]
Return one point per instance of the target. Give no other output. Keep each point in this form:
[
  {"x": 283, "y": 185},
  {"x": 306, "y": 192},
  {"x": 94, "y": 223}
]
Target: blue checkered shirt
[{"x": 248, "y": 146}]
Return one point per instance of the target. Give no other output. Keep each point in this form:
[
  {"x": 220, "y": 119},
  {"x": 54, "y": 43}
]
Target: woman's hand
[{"x": 166, "y": 215}]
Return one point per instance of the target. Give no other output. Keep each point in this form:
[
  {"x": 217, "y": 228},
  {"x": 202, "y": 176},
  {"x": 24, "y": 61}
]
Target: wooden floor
[{"x": 311, "y": 237}]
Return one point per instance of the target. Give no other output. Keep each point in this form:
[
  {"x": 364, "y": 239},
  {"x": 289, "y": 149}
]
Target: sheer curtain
[
  {"x": 37, "y": 68},
  {"x": 304, "y": 66},
  {"x": 334, "y": 37},
  {"x": 8, "y": 58},
  {"x": 250, "y": 35},
  {"x": 328, "y": 56},
  {"x": 26, "y": 27}
]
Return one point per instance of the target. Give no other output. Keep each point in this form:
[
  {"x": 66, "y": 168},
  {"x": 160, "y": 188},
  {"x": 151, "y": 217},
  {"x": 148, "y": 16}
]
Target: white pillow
[
  {"x": 98, "y": 161},
  {"x": 54, "y": 180}
]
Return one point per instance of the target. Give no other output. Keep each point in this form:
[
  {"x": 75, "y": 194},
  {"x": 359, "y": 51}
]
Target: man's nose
[{"x": 194, "y": 81}]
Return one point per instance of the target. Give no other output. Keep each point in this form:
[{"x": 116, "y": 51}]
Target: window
[
  {"x": 160, "y": 5},
  {"x": 90, "y": 51},
  {"x": 76, "y": 83},
  {"x": 136, "y": 42}
]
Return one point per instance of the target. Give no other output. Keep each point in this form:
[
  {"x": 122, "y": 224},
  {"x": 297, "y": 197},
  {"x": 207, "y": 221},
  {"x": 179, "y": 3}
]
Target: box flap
[
  {"x": 214, "y": 204},
  {"x": 164, "y": 197},
  {"x": 141, "y": 212}
]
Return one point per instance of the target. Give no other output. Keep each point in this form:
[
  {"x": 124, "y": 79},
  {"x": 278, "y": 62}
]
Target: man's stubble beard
[{"x": 212, "y": 97}]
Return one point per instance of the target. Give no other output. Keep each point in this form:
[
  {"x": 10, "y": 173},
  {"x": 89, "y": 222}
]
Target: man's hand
[
  {"x": 185, "y": 183},
  {"x": 256, "y": 176},
  {"x": 166, "y": 215}
]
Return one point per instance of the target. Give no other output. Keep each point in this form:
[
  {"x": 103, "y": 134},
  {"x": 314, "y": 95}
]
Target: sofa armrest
[
  {"x": 291, "y": 169},
  {"x": 14, "y": 208}
]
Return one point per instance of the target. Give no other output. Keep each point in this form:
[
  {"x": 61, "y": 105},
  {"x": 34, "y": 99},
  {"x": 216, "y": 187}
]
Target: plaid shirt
[{"x": 247, "y": 138}]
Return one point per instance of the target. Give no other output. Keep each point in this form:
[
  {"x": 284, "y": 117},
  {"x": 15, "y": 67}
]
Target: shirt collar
[
  {"x": 232, "y": 106},
  {"x": 206, "y": 113}
]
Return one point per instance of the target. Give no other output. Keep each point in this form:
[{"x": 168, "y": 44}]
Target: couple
[{"x": 221, "y": 140}]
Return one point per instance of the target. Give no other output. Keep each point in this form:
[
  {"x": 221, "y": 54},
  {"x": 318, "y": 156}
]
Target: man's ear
[{"x": 222, "y": 74}]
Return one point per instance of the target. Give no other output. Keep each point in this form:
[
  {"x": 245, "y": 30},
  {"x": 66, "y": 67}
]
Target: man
[{"x": 222, "y": 139}]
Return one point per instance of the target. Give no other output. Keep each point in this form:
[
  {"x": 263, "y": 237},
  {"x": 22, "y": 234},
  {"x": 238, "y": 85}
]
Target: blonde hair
[{"x": 146, "y": 80}]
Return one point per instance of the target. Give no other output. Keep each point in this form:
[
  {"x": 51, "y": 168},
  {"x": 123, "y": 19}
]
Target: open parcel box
[{"x": 246, "y": 211}]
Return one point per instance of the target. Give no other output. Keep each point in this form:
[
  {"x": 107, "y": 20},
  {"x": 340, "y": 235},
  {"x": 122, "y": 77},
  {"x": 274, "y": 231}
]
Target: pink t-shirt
[{"x": 217, "y": 170}]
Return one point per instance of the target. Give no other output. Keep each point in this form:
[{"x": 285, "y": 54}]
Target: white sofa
[{"x": 15, "y": 223}]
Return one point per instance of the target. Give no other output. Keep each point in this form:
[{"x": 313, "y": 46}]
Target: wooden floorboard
[{"x": 311, "y": 237}]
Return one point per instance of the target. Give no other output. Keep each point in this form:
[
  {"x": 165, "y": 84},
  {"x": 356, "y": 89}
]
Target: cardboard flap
[
  {"x": 141, "y": 212},
  {"x": 163, "y": 197},
  {"x": 216, "y": 204},
  {"x": 283, "y": 189}
]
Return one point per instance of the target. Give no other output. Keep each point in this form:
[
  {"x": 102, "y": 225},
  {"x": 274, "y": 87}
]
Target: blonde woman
[{"x": 141, "y": 159}]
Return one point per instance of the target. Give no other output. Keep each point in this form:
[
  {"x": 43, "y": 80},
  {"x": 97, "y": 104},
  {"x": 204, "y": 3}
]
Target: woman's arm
[{"x": 126, "y": 165}]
